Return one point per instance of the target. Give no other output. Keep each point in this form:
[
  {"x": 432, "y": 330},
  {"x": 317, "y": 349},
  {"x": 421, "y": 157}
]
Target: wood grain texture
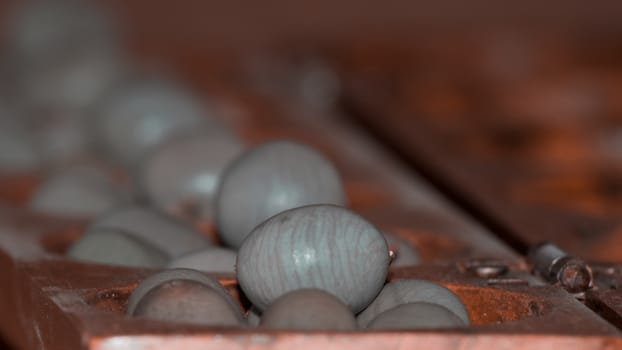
[
  {"x": 319, "y": 246},
  {"x": 171, "y": 236},
  {"x": 141, "y": 113},
  {"x": 115, "y": 247},
  {"x": 186, "y": 170},
  {"x": 269, "y": 179},
  {"x": 211, "y": 259},
  {"x": 412, "y": 291},
  {"x": 187, "y": 296},
  {"x": 416, "y": 316},
  {"x": 308, "y": 309}
]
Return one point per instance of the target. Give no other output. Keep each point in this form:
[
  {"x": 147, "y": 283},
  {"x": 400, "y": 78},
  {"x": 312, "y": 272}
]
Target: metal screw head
[
  {"x": 545, "y": 257},
  {"x": 392, "y": 254},
  {"x": 575, "y": 276},
  {"x": 486, "y": 268},
  {"x": 558, "y": 267}
]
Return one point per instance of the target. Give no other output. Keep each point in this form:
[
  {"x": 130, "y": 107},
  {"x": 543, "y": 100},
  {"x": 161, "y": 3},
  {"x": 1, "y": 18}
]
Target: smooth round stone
[
  {"x": 168, "y": 234},
  {"x": 308, "y": 309},
  {"x": 319, "y": 85},
  {"x": 416, "y": 316},
  {"x": 405, "y": 253},
  {"x": 183, "y": 295},
  {"x": 186, "y": 170},
  {"x": 114, "y": 247},
  {"x": 142, "y": 114},
  {"x": 62, "y": 139},
  {"x": 30, "y": 142},
  {"x": 79, "y": 191},
  {"x": 212, "y": 259},
  {"x": 412, "y": 291},
  {"x": 29, "y": 145},
  {"x": 18, "y": 152},
  {"x": 253, "y": 317},
  {"x": 38, "y": 29},
  {"x": 269, "y": 179},
  {"x": 320, "y": 246},
  {"x": 74, "y": 81}
]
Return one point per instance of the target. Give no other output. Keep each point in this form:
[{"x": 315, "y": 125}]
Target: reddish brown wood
[
  {"x": 65, "y": 304},
  {"x": 537, "y": 176},
  {"x": 50, "y": 302},
  {"x": 532, "y": 154}
]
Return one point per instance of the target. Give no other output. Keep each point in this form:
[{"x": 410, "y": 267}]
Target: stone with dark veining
[
  {"x": 319, "y": 246},
  {"x": 269, "y": 179}
]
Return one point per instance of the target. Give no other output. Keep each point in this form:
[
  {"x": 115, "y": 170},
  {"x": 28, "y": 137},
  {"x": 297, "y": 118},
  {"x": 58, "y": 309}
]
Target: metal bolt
[
  {"x": 575, "y": 276},
  {"x": 486, "y": 268},
  {"x": 392, "y": 253},
  {"x": 557, "y": 266}
]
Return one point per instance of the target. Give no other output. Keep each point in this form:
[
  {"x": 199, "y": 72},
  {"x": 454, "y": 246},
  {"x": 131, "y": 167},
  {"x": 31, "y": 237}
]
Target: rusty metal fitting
[
  {"x": 574, "y": 275},
  {"x": 558, "y": 267},
  {"x": 485, "y": 268}
]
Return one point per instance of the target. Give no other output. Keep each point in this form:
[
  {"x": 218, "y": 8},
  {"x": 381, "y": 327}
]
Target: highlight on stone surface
[
  {"x": 319, "y": 246},
  {"x": 269, "y": 179}
]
